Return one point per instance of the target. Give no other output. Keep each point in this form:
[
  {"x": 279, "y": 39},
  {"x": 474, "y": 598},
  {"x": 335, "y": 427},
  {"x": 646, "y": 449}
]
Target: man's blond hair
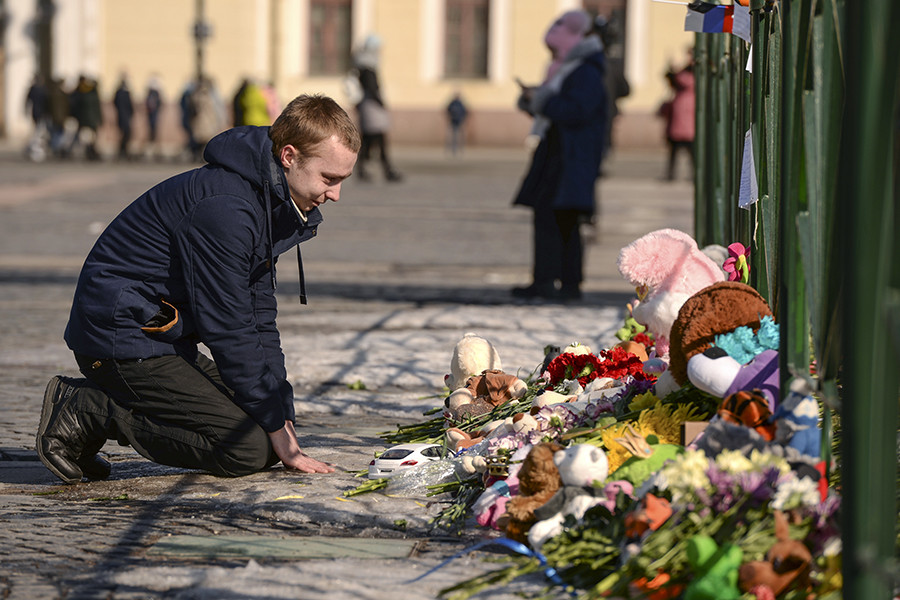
[{"x": 310, "y": 119}]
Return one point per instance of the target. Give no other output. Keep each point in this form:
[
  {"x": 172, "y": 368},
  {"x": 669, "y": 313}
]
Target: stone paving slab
[{"x": 246, "y": 546}]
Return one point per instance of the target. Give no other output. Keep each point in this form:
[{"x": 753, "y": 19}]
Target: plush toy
[
  {"x": 490, "y": 507},
  {"x": 579, "y": 398},
  {"x": 483, "y": 393},
  {"x": 638, "y": 469},
  {"x": 787, "y": 564},
  {"x": 581, "y": 467},
  {"x": 458, "y": 440},
  {"x": 715, "y": 310},
  {"x": 524, "y": 423},
  {"x": 650, "y": 515},
  {"x": 797, "y": 420},
  {"x": 635, "y": 348},
  {"x": 717, "y": 373},
  {"x": 666, "y": 267},
  {"x": 715, "y": 569},
  {"x": 549, "y": 398},
  {"x": 472, "y": 355},
  {"x": 519, "y": 424},
  {"x": 750, "y": 409},
  {"x": 718, "y": 254},
  {"x": 538, "y": 481},
  {"x": 631, "y": 328},
  {"x": 491, "y": 504}
]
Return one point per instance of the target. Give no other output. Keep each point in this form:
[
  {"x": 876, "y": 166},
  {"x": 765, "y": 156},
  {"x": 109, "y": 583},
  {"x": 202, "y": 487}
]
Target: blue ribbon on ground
[{"x": 549, "y": 572}]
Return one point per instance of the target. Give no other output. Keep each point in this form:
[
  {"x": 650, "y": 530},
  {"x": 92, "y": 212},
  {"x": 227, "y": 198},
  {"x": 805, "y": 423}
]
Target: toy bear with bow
[{"x": 483, "y": 393}]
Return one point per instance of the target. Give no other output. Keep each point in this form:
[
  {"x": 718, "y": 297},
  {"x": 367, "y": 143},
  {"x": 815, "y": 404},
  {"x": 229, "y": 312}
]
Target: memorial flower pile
[
  {"x": 705, "y": 480},
  {"x": 640, "y": 538}
]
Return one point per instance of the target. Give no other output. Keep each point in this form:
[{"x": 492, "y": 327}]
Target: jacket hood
[
  {"x": 247, "y": 150},
  {"x": 584, "y": 48}
]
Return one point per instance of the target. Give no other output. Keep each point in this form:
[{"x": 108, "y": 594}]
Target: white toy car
[{"x": 404, "y": 456}]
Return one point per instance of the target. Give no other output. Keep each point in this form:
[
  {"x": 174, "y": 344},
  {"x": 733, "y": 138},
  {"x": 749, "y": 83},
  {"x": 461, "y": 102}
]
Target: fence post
[{"x": 870, "y": 309}]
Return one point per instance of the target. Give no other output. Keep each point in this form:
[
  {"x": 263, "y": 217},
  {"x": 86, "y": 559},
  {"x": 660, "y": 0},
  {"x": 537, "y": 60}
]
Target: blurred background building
[{"x": 430, "y": 49}]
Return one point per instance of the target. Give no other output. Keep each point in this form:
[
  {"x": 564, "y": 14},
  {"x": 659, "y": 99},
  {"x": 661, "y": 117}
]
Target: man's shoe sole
[{"x": 46, "y": 410}]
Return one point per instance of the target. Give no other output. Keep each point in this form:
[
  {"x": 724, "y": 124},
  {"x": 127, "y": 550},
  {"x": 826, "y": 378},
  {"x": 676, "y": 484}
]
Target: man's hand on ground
[{"x": 284, "y": 441}]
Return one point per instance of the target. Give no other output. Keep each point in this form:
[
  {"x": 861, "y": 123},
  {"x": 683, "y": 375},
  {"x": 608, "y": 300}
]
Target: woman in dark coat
[{"x": 571, "y": 117}]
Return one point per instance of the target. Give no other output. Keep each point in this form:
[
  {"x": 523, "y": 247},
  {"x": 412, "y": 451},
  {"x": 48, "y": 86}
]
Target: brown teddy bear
[
  {"x": 539, "y": 480},
  {"x": 719, "y": 308},
  {"x": 482, "y": 394}
]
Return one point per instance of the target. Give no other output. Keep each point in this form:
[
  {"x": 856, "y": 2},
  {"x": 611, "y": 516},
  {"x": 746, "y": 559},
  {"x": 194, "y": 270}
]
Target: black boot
[
  {"x": 93, "y": 466},
  {"x": 62, "y": 443},
  {"x": 546, "y": 291}
]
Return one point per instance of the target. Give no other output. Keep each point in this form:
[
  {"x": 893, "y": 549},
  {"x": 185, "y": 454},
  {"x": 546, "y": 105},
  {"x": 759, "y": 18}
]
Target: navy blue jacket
[
  {"x": 193, "y": 260},
  {"x": 565, "y": 165}
]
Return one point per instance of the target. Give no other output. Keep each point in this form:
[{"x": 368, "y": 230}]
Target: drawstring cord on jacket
[
  {"x": 302, "y": 280},
  {"x": 271, "y": 251}
]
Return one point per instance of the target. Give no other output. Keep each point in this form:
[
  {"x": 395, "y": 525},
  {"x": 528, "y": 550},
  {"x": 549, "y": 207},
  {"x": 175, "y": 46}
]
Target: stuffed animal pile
[{"x": 688, "y": 333}]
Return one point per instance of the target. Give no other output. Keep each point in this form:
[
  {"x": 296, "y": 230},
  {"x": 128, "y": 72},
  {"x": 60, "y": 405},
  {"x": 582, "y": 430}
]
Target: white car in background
[{"x": 404, "y": 456}]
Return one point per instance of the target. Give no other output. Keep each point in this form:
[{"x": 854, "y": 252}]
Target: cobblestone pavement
[{"x": 399, "y": 273}]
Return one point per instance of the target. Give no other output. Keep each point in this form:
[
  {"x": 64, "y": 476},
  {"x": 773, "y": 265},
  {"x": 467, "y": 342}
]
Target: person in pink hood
[{"x": 679, "y": 115}]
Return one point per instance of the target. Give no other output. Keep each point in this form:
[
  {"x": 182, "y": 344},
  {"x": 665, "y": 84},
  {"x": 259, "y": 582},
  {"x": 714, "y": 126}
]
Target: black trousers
[
  {"x": 558, "y": 248},
  {"x": 377, "y": 142},
  {"x": 173, "y": 410},
  {"x": 674, "y": 148}
]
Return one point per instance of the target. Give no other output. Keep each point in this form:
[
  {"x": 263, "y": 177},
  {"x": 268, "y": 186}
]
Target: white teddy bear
[{"x": 472, "y": 355}]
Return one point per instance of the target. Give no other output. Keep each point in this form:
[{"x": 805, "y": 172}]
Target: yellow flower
[
  {"x": 647, "y": 400},
  {"x": 662, "y": 420},
  {"x": 665, "y": 421},
  {"x": 616, "y": 453}
]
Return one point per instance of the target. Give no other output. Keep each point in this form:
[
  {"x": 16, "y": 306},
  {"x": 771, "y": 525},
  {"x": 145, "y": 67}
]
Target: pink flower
[{"x": 736, "y": 264}]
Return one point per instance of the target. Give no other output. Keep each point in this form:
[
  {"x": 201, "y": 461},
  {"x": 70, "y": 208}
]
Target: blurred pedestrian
[
  {"x": 37, "y": 103},
  {"x": 84, "y": 103},
  {"x": 617, "y": 85},
  {"x": 187, "y": 117},
  {"x": 153, "y": 102},
  {"x": 237, "y": 105},
  {"x": 124, "y": 113},
  {"x": 254, "y": 107},
  {"x": 570, "y": 121},
  {"x": 207, "y": 115},
  {"x": 374, "y": 118},
  {"x": 59, "y": 116},
  {"x": 456, "y": 116},
  {"x": 190, "y": 262},
  {"x": 679, "y": 115}
]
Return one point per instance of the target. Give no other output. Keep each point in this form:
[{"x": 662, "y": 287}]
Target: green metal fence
[{"x": 821, "y": 104}]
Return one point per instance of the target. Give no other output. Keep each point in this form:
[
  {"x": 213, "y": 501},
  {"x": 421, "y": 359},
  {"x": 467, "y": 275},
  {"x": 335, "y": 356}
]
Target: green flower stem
[{"x": 369, "y": 486}]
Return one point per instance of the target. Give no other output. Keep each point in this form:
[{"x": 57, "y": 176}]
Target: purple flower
[
  {"x": 757, "y": 486},
  {"x": 593, "y": 410}
]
